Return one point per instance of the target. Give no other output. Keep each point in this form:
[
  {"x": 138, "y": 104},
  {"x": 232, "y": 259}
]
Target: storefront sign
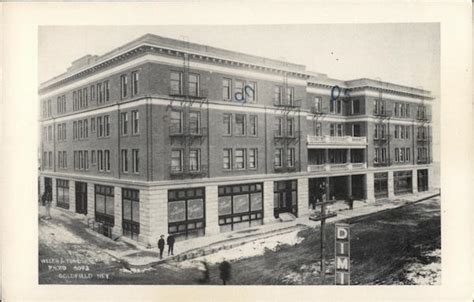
[{"x": 342, "y": 253}]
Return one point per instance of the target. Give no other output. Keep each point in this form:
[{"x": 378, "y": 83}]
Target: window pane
[
  {"x": 176, "y": 211},
  {"x": 100, "y": 203},
  {"x": 109, "y": 206},
  {"x": 127, "y": 209},
  {"x": 225, "y": 205},
  {"x": 195, "y": 209},
  {"x": 256, "y": 201},
  {"x": 241, "y": 203},
  {"x": 136, "y": 211}
]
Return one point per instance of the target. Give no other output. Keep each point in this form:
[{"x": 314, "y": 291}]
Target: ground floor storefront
[{"x": 143, "y": 213}]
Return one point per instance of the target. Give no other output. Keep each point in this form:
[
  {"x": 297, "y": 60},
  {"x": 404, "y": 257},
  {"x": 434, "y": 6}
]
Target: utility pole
[{"x": 322, "y": 216}]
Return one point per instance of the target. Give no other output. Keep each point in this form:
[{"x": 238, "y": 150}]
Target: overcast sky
[{"x": 406, "y": 54}]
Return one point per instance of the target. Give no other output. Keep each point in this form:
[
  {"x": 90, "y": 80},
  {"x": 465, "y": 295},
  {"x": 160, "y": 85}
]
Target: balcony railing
[
  {"x": 287, "y": 104},
  {"x": 176, "y": 130},
  {"x": 188, "y": 171},
  {"x": 337, "y": 140},
  {"x": 424, "y": 117},
  {"x": 423, "y": 161},
  {"x": 422, "y": 139},
  {"x": 385, "y": 163},
  {"x": 293, "y": 168},
  {"x": 317, "y": 110},
  {"x": 382, "y": 113},
  {"x": 180, "y": 93},
  {"x": 336, "y": 167},
  {"x": 286, "y": 134},
  {"x": 382, "y": 138}
]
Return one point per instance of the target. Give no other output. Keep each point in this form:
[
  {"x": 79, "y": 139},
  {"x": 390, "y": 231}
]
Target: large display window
[
  {"x": 240, "y": 206},
  {"x": 186, "y": 213}
]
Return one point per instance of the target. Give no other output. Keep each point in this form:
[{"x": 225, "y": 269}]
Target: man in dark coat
[
  {"x": 161, "y": 245},
  {"x": 170, "y": 242},
  {"x": 224, "y": 269}
]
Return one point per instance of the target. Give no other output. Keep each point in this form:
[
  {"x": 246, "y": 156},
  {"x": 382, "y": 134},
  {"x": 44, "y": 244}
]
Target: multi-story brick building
[{"x": 164, "y": 136}]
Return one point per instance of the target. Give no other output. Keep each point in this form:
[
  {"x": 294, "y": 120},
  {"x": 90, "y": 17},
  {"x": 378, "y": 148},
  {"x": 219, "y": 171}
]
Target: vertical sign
[{"x": 342, "y": 252}]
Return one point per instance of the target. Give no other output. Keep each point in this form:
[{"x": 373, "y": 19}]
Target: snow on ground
[
  {"x": 425, "y": 274},
  {"x": 251, "y": 249},
  {"x": 60, "y": 239}
]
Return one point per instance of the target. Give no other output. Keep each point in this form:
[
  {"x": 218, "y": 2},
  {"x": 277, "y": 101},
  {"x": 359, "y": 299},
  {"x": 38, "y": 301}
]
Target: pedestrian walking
[
  {"x": 350, "y": 202},
  {"x": 170, "y": 242},
  {"x": 161, "y": 245},
  {"x": 224, "y": 268},
  {"x": 47, "y": 203}
]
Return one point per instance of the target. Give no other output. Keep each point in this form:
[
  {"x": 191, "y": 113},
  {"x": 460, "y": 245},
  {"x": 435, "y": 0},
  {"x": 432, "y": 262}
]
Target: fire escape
[
  {"x": 423, "y": 137},
  {"x": 287, "y": 136},
  {"x": 187, "y": 131},
  {"x": 382, "y": 135}
]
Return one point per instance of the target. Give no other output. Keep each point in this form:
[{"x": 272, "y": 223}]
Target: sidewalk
[{"x": 201, "y": 246}]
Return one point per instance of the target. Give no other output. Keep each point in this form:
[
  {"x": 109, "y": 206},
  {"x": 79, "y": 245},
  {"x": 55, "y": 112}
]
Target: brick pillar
[
  {"x": 369, "y": 187},
  {"x": 212, "y": 211},
  {"x": 72, "y": 196},
  {"x": 303, "y": 204},
  {"x": 41, "y": 186},
  {"x": 54, "y": 197},
  {"x": 117, "y": 229},
  {"x": 159, "y": 214},
  {"x": 90, "y": 200},
  {"x": 268, "y": 216},
  {"x": 390, "y": 182},
  {"x": 414, "y": 180},
  {"x": 148, "y": 212}
]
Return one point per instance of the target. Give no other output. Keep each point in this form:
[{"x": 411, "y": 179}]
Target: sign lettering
[{"x": 342, "y": 254}]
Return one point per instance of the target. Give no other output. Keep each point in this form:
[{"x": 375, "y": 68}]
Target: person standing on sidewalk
[
  {"x": 350, "y": 202},
  {"x": 47, "y": 203},
  {"x": 161, "y": 245},
  {"x": 170, "y": 242},
  {"x": 224, "y": 269}
]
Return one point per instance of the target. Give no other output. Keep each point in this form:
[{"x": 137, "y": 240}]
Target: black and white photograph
[
  {"x": 236, "y": 151},
  {"x": 307, "y": 155}
]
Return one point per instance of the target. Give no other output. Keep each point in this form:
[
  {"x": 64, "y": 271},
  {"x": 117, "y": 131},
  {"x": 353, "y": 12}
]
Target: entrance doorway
[
  {"x": 81, "y": 197},
  {"x": 422, "y": 180},
  {"x": 285, "y": 197},
  {"x": 48, "y": 188}
]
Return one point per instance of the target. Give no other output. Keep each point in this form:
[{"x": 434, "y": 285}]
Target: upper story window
[
  {"x": 193, "y": 84},
  {"x": 85, "y": 97},
  {"x": 226, "y": 89},
  {"x": 355, "y": 106},
  {"x": 290, "y": 126},
  {"x": 92, "y": 93},
  {"x": 227, "y": 123},
  {"x": 100, "y": 94},
  {"x": 176, "y": 122},
  {"x": 177, "y": 160},
  {"x": 318, "y": 105},
  {"x": 240, "y": 161},
  {"x": 290, "y": 157},
  {"x": 253, "y": 125},
  {"x": 335, "y": 106},
  {"x": 317, "y": 129},
  {"x": 106, "y": 88},
  {"x": 251, "y": 92},
  {"x": 336, "y": 130},
  {"x": 278, "y": 158},
  {"x": 135, "y": 122},
  {"x": 227, "y": 159},
  {"x": 277, "y": 94},
  {"x": 194, "y": 160},
  {"x": 123, "y": 86},
  {"x": 379, "y": 107},
  {"x": 240, "y": 124},
  {"x": 421, "y": 111},
  {"x": 239, "y": 90},
  {"x": 290, "y": 95},
  {"x": 134, "y": 83},
  {"x": 176, "y": 86},
  {"x": 49, "y": 108},
  {"x": 124, "y": 122},
  {"x": 194, "y": 122},
  {"x": 61, "y": 104},
  {"x": 279, "y": 126}
]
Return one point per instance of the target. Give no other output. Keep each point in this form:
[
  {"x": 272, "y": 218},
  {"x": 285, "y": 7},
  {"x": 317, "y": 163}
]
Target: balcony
[
  {"x": 423, "y": 161},
  {"x": 287, "y": 104},
  {"x": 382, "y": 138},
  {"x": 385, "y": 163},
  {"x": 287, "y": 169},
  {"x": 188, "y": 172},
  {"x": 327, "y": 141},
  {"x": 382, "y": 113},
  {"x": 196, "y": 95},
  {"x": 317, "y": 110},
  {"x": 176, "y": 130},
  {"x": 423, "y": 117},
  {"x": 423, "y": 139},
  {"x": 336, "y": 167},
  {"x": 277, "y": 134}
]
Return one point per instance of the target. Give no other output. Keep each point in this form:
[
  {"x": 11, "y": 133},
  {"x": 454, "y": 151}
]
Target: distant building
[{"x": 164, "y": 136}]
